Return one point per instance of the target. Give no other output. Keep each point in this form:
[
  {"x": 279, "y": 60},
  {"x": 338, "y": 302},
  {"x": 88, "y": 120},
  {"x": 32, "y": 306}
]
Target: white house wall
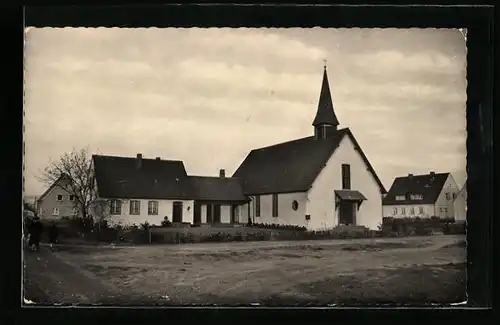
[
  {"x": 286, "y": 214},
  {"x": 203, "y": 213},
  {"x": 396, "y": 211},
  {"x": 444, "y": 207},
  {"x": 244, "y": 211},
  {"x": 225, "y": 213},
  {"x": 460, "y": 206},
  {"x": 321, "y": 204},
  {"x": 165, "y": 208}
]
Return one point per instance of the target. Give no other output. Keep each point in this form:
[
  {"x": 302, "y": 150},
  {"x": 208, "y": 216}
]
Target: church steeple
[{"x": 325, "y": 120}]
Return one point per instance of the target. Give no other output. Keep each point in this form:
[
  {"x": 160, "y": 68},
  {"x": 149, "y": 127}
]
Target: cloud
[
  {"x": 396, "y": 61},
  {"x": 269, "y": 43}
]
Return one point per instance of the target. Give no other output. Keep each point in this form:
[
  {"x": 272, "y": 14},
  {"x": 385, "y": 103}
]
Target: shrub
[
  {"x": 414, "y": 226},
  {"x": 81, "y": 224},
  {"x": 166, "y": 222},
  {"x": 238, "y": 237},
  {"x": 103, "y": 224},
  {"x": 144, "y": 226},
  {"x": 455, "y": 228}
]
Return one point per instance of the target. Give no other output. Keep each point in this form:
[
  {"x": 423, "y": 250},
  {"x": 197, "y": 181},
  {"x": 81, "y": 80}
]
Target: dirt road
[{"x": 381, "y": 270}]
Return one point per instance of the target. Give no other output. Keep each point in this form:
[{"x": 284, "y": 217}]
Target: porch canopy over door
[{"x": 349, "y": 202}]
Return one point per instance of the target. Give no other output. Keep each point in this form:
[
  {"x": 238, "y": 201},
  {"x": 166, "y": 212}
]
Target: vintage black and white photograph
[{"x": 244, "y": 166}]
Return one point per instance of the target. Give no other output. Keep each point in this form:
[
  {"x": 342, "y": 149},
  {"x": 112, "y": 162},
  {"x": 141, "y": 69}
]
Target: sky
[{"x": 209, "y": 96}]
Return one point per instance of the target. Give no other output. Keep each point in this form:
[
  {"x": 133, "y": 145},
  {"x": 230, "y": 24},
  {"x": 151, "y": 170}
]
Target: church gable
[{"x": 349, "y": 155}]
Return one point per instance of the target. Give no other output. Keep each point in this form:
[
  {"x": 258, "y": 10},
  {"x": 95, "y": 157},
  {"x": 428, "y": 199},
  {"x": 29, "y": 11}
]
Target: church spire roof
[{"x": 325, "y": 114}]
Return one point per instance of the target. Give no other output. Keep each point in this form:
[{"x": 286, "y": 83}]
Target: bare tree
[
  {"x": 73, "y": 173},
  {"x": 99, "y": 209}
]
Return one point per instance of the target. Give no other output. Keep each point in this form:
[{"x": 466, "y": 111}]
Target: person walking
[{"x": 35, "y": 230}]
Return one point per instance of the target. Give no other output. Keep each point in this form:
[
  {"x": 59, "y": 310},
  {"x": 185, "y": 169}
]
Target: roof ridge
[
  {"x": 122, "y": 157},
  {"x": 282, "y": 143},
  {"x": 345, "y": 129},
  {"x": 421, "y": 175},
  {"x": 215, "y": 177}
]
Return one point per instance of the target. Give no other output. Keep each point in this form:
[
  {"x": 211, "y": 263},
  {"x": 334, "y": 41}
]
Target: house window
[
  {"x": 447, "y": 195},
  {"x": 420, "y": 210},
  {"x": 275, "y": 205},
  {"x": 400, "y": 197},
  {"x": 116, "y": 207},
  {"x": 416, "y": 197},
  {"x": 295, "y": 205},
  {"x": 257, "y": 206},
  {"x": 403, "y": 211},
  {"x": 152, "y": 208},
  {"x": 59, "y": 197},
  {"x": 346, "y": 177},
  {"x": 71, "y": 197},
  {"x": 55, "y": 212},
  {"x": 135, "y": 207},
  {"x": 394, "y": 211},
  {"x": 445, "y": 209},
  {"x": 412, "y": 210}
]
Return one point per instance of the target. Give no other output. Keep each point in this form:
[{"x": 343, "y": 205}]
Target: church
[{"x": 319, "y": 181}]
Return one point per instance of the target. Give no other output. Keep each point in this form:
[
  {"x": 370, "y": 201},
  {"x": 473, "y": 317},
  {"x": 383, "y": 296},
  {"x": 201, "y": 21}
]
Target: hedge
[
  {"x": 262, "y": 234},
  {"x": 143, "y": 234},
  {"x": 277, "y": 226},
  {"x": 420, "y": 226}
]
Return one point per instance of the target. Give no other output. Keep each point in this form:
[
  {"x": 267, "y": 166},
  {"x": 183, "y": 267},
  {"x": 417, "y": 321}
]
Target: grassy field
[{"x": 414, "y": 270}]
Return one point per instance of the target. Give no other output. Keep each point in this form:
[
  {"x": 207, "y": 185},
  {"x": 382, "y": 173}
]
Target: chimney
[
  {"x": 138, "y": 162},
  {"x": 158, "y": 158},
  {"x": 410, "y": 175},
  {"x": 222, "y": 173},
  {"x": 432, "y": 173}
]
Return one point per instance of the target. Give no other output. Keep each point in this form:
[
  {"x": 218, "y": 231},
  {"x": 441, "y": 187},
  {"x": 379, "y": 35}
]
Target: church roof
[
  {"x": 325, "y": 113},
  {"x": 292, "y": 166},
  {"x": 429, "y": 186}
]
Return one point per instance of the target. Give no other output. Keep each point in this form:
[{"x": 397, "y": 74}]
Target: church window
[
  {"x": 275, "y": 205},
  {"x": 257, "y": 206},
  {"x": 346, "y": 177}
]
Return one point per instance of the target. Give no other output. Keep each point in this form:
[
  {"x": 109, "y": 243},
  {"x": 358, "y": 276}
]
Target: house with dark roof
[
  {"x": 148, "y": 190},
  {"x": 56, "y": 202},
  {"x": 460, "y": 204},
  {"x": 421, "y": 196},
  {"x": 218, "y": 200},
  {"x": 318, "y": 182}
]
